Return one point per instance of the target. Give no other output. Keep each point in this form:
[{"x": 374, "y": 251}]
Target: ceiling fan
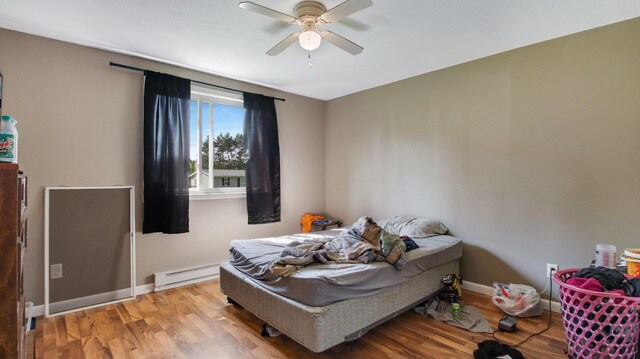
[{"x": 310, "y": 15}]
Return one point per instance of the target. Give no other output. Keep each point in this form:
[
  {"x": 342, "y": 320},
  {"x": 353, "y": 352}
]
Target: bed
[{"x": 323, "y": 305}]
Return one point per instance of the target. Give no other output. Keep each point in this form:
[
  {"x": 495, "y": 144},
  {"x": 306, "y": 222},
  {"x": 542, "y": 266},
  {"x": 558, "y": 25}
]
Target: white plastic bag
[{"x": 516, "y": 299}]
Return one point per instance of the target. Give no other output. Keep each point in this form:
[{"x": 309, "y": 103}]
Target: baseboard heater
[{"x": 180, "y": 277}]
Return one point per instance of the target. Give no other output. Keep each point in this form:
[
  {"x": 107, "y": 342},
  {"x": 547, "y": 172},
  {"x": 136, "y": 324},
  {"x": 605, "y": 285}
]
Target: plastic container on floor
[{"x": 598, "y": 324}]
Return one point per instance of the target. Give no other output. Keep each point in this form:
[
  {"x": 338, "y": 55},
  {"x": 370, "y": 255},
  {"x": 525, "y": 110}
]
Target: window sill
[{"x": 204, "y": 195}]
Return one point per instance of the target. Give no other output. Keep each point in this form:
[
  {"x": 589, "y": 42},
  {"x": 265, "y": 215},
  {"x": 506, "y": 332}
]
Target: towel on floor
[{"x": 469, "y": 317}]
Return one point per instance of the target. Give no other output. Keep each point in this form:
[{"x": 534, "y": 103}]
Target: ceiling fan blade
[
  {"x": 342, "y": 43},
  {"x": 345, "y": 9},
  {"x": 248, "y": 5},
  {"x": 282, "y": 45}
]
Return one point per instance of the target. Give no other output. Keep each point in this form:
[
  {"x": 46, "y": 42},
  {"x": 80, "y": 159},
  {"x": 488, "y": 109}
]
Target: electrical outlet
[
  {"x": 551, "y": 267},
  {"x": 56, "y": 271}
]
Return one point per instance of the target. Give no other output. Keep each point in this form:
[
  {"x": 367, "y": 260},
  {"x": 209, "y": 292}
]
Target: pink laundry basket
[{"x": 598, "y": 325}]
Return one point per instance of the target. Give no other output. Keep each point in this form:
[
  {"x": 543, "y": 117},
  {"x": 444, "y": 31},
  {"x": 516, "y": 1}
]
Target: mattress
[{"x": 322, "y": 284}]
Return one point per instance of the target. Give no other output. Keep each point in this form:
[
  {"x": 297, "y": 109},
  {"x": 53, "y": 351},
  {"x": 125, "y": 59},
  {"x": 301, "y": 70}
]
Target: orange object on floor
[{"x": 307, "y": 220}]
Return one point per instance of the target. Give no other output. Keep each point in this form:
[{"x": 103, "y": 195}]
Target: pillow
[{"x": 413, "y": 227}]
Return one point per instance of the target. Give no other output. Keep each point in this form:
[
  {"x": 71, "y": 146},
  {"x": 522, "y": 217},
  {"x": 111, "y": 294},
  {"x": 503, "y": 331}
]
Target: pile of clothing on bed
[{"x": 364, "y": 242}]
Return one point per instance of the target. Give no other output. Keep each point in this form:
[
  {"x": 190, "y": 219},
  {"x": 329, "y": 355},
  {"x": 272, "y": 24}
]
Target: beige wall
[
  {"x": 80, "y": 124},
  {"x": 530, "y": 156}
]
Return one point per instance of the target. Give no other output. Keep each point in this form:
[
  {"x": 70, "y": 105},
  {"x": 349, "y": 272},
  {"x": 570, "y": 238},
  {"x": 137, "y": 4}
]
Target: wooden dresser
[{"x": 13, "y": 241}]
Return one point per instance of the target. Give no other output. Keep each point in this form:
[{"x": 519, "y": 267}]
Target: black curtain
[
  {"x": 263, "y": 159},
  {"x": 166, "y": 153}
]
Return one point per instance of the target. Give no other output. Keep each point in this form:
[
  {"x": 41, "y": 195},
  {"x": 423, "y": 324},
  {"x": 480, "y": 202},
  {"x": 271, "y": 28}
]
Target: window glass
[
  {"x": 205, "y": 180},
  {"x": 228, "y": 145},
  {"x": 216, "y": 128},
  {"x": 193, "y": 146}
]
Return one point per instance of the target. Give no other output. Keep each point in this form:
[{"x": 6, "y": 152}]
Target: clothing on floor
[
  {"x": 270, "y": 331},
  {"x": 491, "y": 349},
  {"x": 468, "y": 317}
]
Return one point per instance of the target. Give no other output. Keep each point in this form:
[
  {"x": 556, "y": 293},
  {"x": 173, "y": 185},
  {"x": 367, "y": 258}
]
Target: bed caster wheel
[
  {"x": 264, "y": 332},
  {"x": 351, "y": 344}
]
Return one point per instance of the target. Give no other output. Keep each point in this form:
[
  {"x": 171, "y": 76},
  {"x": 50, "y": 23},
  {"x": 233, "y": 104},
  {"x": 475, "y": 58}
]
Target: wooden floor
[{"x": 197, "y": 322}]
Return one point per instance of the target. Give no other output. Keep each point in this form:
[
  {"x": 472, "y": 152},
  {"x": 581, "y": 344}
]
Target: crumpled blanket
[
  {"x": 365, "y": 242},
  {"x": 345, "y": 248}
]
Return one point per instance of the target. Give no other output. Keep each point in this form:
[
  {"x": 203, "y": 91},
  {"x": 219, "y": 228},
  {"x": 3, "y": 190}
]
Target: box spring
[{"x": 320, "y": 328}]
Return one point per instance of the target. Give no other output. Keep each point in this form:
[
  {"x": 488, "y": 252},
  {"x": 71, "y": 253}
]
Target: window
[{"x": 217, "y": 153}]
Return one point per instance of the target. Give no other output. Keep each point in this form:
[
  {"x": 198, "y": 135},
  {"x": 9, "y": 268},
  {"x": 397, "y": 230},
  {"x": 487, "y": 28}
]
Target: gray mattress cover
[{"x": 322, "y": 284}]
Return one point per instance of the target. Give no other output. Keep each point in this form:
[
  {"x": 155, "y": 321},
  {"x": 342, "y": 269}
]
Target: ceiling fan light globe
[{"x": 309, "y": 40}]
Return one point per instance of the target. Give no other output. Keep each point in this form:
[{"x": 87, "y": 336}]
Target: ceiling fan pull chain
[{"x": 309, "y": 57}]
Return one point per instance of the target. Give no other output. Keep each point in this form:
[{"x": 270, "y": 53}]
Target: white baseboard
[
  {"x": 486, "y": 290},
  {"x": 38, "y": 310},
  {"x": 70, "y": 304},
  {"x": 144, "y": 289},
  {"x": 184, "y": 276}
]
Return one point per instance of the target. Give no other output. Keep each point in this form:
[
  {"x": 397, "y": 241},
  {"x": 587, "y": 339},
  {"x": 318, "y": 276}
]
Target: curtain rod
[{"x": 111, "y": 63}]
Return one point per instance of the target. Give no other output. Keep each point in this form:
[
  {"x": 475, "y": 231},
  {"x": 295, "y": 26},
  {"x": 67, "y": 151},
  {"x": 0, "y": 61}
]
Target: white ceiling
[{"x": 401, "y": 38}]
